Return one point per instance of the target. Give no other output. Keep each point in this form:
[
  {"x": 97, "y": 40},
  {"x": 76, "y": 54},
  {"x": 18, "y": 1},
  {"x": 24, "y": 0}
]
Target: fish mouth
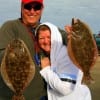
[
  {"x": 75, "y": 21},
  {"x": 75, "y": 29}
]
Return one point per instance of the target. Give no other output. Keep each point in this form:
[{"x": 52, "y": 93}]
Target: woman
[{"x": 62, "y": 76}]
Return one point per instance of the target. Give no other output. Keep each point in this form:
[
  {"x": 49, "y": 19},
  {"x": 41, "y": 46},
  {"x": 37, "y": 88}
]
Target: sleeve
[
  {"x": 1, "y": 54},
  {"x": 6, "y": 35},
  {"x": 62, "y": 87},
  {"x": 64, "y": 36}
]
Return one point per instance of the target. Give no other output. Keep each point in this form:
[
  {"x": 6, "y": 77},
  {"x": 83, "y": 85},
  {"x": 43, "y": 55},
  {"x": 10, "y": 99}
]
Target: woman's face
[{"x": 44, "y": 40}]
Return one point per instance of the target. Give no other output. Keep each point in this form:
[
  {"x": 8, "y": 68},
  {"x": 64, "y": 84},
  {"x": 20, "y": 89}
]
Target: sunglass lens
[
  {"x": 28, "y": 7},
  {"x": 35, "y": 6}
]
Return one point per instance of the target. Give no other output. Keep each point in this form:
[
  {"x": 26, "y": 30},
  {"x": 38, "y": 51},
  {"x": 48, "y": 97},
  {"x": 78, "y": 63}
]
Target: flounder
[
  {"x": 17, "y": 68},
  {"x": 82, "y": 48}
]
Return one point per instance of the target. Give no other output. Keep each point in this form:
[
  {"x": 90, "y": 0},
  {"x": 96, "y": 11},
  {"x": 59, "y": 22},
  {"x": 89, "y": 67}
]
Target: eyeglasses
[{"x": 35, "y": 6}]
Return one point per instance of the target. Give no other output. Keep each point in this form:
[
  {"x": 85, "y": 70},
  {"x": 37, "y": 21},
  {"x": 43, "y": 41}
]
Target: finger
[{"x": 68, "y": 29}]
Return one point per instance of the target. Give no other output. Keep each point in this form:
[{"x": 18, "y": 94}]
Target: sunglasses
[{"x": 35, "y": 6}]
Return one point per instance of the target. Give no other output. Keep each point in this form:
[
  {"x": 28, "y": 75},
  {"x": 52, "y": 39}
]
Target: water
[{"x": 59, "y": 12}]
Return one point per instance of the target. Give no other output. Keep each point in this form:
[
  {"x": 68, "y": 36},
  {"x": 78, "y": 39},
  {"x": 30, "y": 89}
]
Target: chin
[
  {"x": 48, "y": 52},
  {"x": 31, "y": 23}
]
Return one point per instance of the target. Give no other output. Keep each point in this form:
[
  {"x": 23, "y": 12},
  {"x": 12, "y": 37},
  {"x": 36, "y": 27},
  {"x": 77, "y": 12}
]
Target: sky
[{"x": 58, "y": 12}]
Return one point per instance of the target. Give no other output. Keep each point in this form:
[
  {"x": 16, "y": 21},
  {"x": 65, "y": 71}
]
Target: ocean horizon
[{"x": 58, "y": 12}]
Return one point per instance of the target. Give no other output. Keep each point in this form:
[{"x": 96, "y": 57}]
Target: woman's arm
[{"x": 55, "y": 83}]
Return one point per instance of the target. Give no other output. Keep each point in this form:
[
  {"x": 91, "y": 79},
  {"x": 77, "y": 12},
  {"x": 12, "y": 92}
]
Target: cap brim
[{"x": 29, "y": 1}]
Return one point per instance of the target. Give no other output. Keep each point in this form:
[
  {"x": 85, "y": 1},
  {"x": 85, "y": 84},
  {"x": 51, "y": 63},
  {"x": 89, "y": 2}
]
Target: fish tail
[{"x": 18, "y": 97}]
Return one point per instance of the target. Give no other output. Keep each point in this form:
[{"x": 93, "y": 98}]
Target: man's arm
[{"x": 64, "y": 36}]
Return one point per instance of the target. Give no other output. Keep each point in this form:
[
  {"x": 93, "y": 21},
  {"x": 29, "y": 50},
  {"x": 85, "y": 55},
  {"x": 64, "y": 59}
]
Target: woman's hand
[
  {"x": 68, "y": 29},
  {"x": 45, "y": 61}
]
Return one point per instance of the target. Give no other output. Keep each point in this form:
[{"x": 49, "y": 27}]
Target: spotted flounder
[
  {"x": 82, "y": 48},
  {"x": 17, "y": 68}
]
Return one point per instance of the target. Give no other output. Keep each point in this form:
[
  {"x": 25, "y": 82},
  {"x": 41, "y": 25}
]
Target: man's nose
[{"x": 32, "y": 10}]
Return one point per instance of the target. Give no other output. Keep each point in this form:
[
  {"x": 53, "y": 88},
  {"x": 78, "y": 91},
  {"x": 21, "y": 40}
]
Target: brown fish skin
[
  {"x": 17, "y": 68},
  {"x": 82, "y": 48}
]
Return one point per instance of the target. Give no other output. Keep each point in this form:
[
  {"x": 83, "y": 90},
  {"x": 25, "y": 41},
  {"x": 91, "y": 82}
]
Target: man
[{"x": 23, "y": 28}]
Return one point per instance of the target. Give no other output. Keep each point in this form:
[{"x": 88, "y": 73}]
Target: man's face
[{"x": 31, "y": 13}]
